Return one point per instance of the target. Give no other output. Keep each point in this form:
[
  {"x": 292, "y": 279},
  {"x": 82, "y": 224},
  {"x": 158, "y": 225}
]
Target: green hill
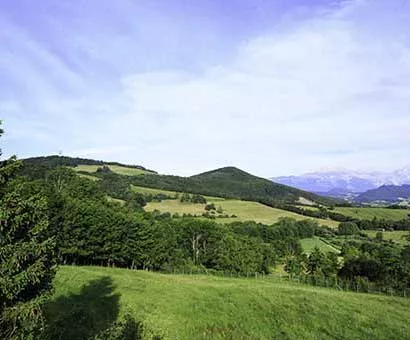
[
  {"x": 54, "y": 161},
  {"x": 230, "y": 182},
  {"x": 87, "y": 300}
]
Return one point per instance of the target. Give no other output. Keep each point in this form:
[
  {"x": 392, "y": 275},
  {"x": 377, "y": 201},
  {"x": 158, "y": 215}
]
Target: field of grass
[
  {"x": 370, "y": 213},
  {"x": 88, "y": 300},
  {"x": 121, "y": 170},
  {"x": 308, "y": 244},
  {"x": 92, "y": 178},
  {"x": 396, "y": 235},
  {"x": 244, "y": 210},
  {"x": 115, "y": 200},
  {"x": 153, "y": 191}
]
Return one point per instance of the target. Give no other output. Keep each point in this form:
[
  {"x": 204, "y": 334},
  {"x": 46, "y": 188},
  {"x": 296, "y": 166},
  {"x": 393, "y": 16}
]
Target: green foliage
[
  {"x": 228, "y": 183},
  {"x": 103, "y": 169},
  {"x": 295, "y": 265},
  {"x": 210, "y": 206},
  {"x": 384, "y": 263},
  {"x": 27, "y": 256},
  {"x": 198, "y": 199},
  {"x": 185, "y": 197},
  {"x": 348, "y": 228},
  {"x": 56, "y": 161}
]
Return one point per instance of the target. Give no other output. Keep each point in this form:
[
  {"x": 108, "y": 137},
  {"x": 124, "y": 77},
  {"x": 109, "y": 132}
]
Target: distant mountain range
[
  {"x": 386, "y": 193},
  {"x": 345, "y": 183}
]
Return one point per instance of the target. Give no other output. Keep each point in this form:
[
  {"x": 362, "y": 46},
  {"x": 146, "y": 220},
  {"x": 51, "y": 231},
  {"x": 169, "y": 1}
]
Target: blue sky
[{"x": 274, "y": 87}]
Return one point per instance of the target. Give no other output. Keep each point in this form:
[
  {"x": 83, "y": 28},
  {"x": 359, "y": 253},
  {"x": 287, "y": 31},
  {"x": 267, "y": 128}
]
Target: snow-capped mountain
[{"x": 342, "y": 182}]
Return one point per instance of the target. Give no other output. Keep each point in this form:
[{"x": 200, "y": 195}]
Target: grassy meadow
[
  {"x": 308, "y": 244},
  {"x": 367, "y": 213},
  {"x": 396, "y": 235},
  {"x": 121, "y": 170},
  {"x": 88, "y": 300},
  {"x": 153, "y": 191},
  {"x": 244, "y": 210}
]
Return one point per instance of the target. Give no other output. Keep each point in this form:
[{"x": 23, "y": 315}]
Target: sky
[{"x": 274, "y": 87}]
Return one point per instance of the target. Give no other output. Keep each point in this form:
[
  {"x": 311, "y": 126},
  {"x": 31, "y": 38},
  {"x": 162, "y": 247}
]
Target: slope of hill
[
  {"x": 55, "y": 160},
  {"x": 118, "y": 169},
  {"x": 88, "y": 300},
  {"x": 230, "y": 182},
  {"x": 243, "y": 210},
  {"x": 386, "y": 193},
  {"x": 369, "y": 213}
]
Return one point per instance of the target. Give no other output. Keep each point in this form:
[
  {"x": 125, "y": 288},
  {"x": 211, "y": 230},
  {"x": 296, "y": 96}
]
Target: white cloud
[
  {"x": 330, "y": 91},
  {"x": 289, "y": 102}
]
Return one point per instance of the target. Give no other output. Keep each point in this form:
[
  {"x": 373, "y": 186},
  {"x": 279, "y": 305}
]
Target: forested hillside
[
  {"x": 227, "y": 182},
  {"x": 55, "y": 160}
]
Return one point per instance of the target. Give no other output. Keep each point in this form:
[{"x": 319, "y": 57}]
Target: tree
[
  {"x": 185, "y": 197},
  {"x": 348, "y": 228},
  {"x": 295, "y": 264},
  {"x": 210, "y": 206},
  {"x": 315, "y": 262},
  {"x": 198, "y": 199},
  {"x": 27, "y": 255}
]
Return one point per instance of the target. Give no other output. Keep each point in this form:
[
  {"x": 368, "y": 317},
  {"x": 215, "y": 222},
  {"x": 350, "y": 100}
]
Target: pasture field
[
  {"x": 115, "y": 200},
  {"x": 121, "y": 170},
  {"x": 368, "y": 213},
  {"x": 244, "y": 210},
  {"x": 91, "y": 178},
  {"x": 308, "y": 244},
  {"x": 153, "y": 191},
  {"x": 396, "y": 235},
  {"x": 87, "y": 300}
]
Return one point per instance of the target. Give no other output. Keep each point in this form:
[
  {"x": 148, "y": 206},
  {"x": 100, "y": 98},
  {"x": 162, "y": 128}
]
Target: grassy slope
[
  {"x": 244, "y": 210},
  {"x": 370, "y": 213},
  {"x": 202, "y": 307},
  {"x": 121, "y": 170},
  {"x": 396, "y": 235},
  {"x": 153, "y": 191},
  {"x": 92, "y": 178},
  {"x": 308, "y": 244}
]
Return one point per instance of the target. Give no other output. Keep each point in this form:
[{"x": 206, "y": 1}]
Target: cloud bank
[{"x": 329, "y": 89}]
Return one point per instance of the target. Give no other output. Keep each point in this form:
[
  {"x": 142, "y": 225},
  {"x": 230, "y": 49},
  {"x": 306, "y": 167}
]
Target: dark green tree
[
  {"x": 27, "y": 255},
  {"x": 348, "y": 228}
]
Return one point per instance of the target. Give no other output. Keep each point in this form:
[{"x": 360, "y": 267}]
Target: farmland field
[
  {"x": 91, "y": 178},
  {"x": 153, "y": 191},
  {"x": 88, "y": 299},
  {"x": 369, "y": 213},
  {"x": 244, "y": 210},
  {"x": 308, "y": 244},
  {"x": 396, "y": 235},
  {"x": 121, "y": 170}
]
